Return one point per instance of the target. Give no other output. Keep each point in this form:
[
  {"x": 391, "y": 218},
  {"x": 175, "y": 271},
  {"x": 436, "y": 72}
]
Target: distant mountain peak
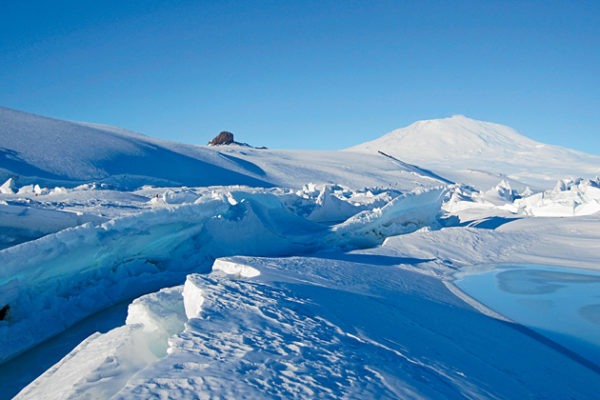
[
  {"x": 447, "y": 137},
  {"x": 462, "y": 143}
]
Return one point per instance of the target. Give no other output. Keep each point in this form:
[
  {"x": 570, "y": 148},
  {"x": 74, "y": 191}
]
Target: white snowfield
[{"x": 287, "y": 274}]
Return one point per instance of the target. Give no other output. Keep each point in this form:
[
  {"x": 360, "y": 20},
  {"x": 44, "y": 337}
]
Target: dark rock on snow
[
  {"x": 222, "y": 138},
  {"x": 225, "y": 138},
  {"x": 3, "y": 312}
]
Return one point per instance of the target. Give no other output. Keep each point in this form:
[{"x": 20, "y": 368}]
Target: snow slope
[
  {"x": 467, "y": 150},
  {"x": 56, "y": 150},
  {"x": 41, "y": 150},
  {"x": 294, "y": 168},
  {"x": 357, "y": 326}
]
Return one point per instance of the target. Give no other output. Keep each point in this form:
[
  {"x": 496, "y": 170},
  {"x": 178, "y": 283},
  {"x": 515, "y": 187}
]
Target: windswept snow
[{"x": 35, "y": 149}]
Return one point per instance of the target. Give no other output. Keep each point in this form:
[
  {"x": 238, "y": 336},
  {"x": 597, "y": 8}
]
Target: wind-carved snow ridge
[
  {"x": 303, "y": 327},
  {"x": 103, "y": 363},
  {"x": 53, "y": 282},
  {"x": 236, "y": 329}
]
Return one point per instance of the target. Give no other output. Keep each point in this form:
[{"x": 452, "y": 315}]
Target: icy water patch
[{"x": 562, "y": 304}]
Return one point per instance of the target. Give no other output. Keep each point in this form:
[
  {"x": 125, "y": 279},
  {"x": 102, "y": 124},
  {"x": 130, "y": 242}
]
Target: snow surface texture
[
  {"x": 473, "y": 152},
  {"x": 363, "y": 326},
  {"x": 59, "y": 279},
  {"x": 64, "y": 151}
]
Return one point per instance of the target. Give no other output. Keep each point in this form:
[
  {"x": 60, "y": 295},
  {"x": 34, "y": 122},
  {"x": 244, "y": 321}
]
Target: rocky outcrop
[
  {"x": 4, "y": 312},
  {"x": 222, "y": 138},
  {"x": 225, "y": 138}
]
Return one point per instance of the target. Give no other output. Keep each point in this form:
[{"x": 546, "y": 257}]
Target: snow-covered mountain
[{"x": 469, "y": 151}]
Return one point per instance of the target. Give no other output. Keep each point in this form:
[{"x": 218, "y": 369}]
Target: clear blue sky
[{"x": 305, "y": 74}]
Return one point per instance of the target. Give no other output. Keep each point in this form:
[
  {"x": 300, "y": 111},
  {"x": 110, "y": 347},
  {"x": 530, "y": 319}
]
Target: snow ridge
[{"x": 64, "y": 151}]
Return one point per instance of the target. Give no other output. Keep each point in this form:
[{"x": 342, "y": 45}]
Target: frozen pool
[{"x": 563, "y": 304}]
